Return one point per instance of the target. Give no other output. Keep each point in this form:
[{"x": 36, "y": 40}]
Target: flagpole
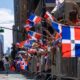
[{"x": 42, "y": 15}]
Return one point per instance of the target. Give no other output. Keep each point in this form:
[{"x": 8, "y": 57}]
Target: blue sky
[
  {"x": 6, "y": 4},
  {"x": 7, "y": 20}
]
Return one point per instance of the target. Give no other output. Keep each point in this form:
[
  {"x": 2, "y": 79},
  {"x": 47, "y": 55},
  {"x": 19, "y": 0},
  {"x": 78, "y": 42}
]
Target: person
[
  {"x": 1, "y": 65},
  {"x": 18, "y": 64},
  {"x": 12, "y": 66},
  {"x": 6, "y": 64}
]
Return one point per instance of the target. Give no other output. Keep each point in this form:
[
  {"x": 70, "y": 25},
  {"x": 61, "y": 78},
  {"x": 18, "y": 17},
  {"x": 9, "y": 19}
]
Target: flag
[
  {"x": 54, "y": 43},
  {"x": 35, "y": 19},
  {"x": 32, "y": 41},
  {"x": 28, "y": 43},
  {"x": 28, "y": 25},
  {"x": 59, "y": 4},
  {"x": 70, "y": 41},
  {"x": 26, "y": 65},
  {"x": 22, "y": 65},
  {"x": 48, "y": 16},
  {"x": 34, "y": 35},
  {"x": 21, "y": 45},
  {"x": 57, "y": 27}
]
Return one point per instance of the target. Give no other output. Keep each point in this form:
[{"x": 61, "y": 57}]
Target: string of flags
[{"x": 69, "y": 39}]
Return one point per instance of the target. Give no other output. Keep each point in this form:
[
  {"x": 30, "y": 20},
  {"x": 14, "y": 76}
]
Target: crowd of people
[
  {"x": 5, "y": 64},
  {"x": 38, "y": 58},
  {"x": 33, "y": 60}
]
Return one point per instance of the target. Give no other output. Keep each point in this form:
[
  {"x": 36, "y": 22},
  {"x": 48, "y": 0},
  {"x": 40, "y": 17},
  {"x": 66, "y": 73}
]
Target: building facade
[
  {"x": 67, "y": 7},
  {"x": 20, "y": 13},
  {"x": 1, "y": 46},
  {"x": 22, "y": 10}
]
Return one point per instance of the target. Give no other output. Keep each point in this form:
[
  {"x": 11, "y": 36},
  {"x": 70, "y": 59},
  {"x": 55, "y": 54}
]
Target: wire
[{"x": 11, "y": 29}]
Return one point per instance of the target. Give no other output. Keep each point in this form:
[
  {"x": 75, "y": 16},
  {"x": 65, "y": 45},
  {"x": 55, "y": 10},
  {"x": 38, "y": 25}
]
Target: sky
[{"x": 7, "y": 20}]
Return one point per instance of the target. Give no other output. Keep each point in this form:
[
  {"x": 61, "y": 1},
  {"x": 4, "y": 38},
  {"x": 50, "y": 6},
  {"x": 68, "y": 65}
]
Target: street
[
  {"x": 12, "y": 76},
  {"x": 39, "y": 39}
]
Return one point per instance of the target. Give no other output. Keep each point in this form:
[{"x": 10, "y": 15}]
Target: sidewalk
[
  {"x": 39, "y": 76},
  {"x": 12, "y": 76}
]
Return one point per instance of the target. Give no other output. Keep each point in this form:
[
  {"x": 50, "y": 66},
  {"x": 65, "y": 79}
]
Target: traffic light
[{"x": 1, "y": 30}]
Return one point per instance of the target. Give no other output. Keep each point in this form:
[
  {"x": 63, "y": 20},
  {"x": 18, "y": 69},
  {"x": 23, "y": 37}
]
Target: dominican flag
[
  {"x": 48, "y": 16},
  {"x": 28, "y": 25},
  {"x": 32, "y": 41},
  {"x": 29, "y": 22},
  {"x": 35, "y": 19},
  {"x": 70, "y": 41},
  {"x": 26, "y": 65},
  {"x": 28, "y": 43},
  {"x": 34, "y": 35},
  {"x": 21, "y": 44},
  {"x": 57, "y": 27}
]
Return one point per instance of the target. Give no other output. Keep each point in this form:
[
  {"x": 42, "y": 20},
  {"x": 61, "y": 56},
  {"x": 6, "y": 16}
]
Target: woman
[{"x": 6, "y": 64}]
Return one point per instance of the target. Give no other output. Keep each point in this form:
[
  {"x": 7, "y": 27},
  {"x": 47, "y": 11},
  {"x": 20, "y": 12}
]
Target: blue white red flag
[
  {"x": 34, "y": 35},
  {"x": 32, "y": 41},
  {"x": 70, "y": 41},
  {"x": 21, "y": 44},
  {"x": 57, "y": 27},
  {"x": 28, "y": 43},
  {"x": 28, "y": 25},
  {"x": 48, "y": 16},
  {"x": 35, "y": 19}
]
